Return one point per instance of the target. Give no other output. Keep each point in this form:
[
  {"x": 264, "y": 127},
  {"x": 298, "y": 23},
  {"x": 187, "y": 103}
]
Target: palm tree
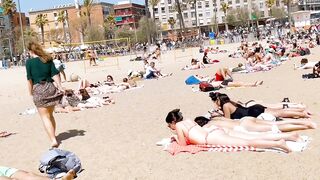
[
  {"x": 87, "y": 4},
  {"x": 41, "y": 21},
  {"x": 194, "y": 2},
  {"x": 62, "y": 19},
  {"x": 109, "y": 24},
  {"x": 9, "y": 8},
  {"x": 30, "y": 34},
  {"x": 172, "y": 22},
  {"x": 179, "y": 10},
  {"x": 287, "y": 4},
  {"x": 269, "y": 4},
  {"x": 225, "y": 7},
  {"x": 153, "y": 4}
]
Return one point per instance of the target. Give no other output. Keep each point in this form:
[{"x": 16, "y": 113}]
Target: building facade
[
  {"x": 309, "y": 5},
  {"x": 128, "y": 14},
  {"x": 53, "y": 28},
  {"x": 206, "y": 11}
]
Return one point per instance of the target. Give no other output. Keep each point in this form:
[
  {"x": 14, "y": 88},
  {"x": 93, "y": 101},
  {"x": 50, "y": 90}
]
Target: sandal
[{"x": 286, "y": 100}]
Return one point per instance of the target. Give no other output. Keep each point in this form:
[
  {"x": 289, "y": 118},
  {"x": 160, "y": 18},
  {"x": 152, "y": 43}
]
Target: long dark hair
[
  {"x": 174, "y": 116},
  {"x": 201, "y": 120},
  {"x": 223, "y": 98}
]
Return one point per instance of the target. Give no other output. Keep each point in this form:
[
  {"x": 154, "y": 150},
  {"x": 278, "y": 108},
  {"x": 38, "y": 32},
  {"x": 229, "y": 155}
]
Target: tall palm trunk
[
  {"x": 196, "y": 16},
  {"x": 225, "y": 21},
  {"x": 146, "y": 2},
  {"x": 64, "y": 33},
  {"x": 181, "y": 22},
  {"x": 42, "y": 34}
]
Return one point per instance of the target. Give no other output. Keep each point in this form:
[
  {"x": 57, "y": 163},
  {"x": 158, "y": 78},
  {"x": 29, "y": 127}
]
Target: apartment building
[
  {"x": 98, "y": 12},
  {"x": 206, "y": 10},
  {"x": 129, "y": 14},
  {"x": 309, "y": 5}
]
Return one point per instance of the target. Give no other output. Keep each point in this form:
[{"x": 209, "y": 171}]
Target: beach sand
[{"x": 118, "y": 141}]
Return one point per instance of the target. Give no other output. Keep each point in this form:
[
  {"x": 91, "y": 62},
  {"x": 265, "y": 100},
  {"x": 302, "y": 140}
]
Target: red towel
[{"x": 174, "y": 148}]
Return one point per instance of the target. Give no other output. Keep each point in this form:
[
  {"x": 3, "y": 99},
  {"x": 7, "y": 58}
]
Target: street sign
[{"x": 118, "y": 19}]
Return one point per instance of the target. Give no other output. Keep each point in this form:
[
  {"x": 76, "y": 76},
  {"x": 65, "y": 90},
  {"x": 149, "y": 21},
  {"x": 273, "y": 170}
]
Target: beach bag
[
  {"x": 192, "y": 80},
  {"x": 206, "y": 87},
  {"x": 56, "y": 162}
]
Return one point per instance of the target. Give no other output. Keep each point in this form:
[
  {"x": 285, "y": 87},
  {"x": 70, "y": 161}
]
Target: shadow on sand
[{"x": 69, "y": 134}]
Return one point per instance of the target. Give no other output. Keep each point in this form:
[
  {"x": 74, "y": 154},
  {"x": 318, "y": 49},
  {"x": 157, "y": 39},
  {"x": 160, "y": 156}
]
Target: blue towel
[{"x": 192, "y": 80}]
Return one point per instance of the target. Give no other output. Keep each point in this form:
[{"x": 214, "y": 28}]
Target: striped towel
[{"x": 174, "y": 148}]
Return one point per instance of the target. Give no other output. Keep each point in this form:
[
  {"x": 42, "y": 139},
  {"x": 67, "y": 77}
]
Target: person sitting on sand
[
  {"x": 153, "y": 73},
  {"x": 195, "y": 64},
  {"x": 207, "y": 60},
  {"x": 223, "y": 74},
  {"x": 188, "y": 133},
  {"x": 234, "y": 110},
  {"x": 7, "y": 173}
]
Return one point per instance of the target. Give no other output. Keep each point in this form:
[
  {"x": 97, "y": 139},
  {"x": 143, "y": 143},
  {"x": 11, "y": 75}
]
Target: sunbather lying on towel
[
  {"x": 189, "y": 132},
  {"x": 15, "y": 174},
  {"x": 252, "y": 124},
  {"x": 234, "y": 110},
  {"x": 195, "y": 64}
]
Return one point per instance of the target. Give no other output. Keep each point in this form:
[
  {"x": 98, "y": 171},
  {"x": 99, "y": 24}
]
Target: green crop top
[{"x": 37, "y": 71}]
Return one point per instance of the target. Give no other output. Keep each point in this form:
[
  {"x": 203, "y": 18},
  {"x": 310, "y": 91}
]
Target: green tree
[
  {"x": 62, "y": 18},
  {"x": 145, "y": 24},
  {"x": 94, "y": 33},
  {"x": 242, "y": 15},
  {"x": 270, "y": 4},
  {"x": 109, "y": 26},
  {"x": 125, "y": 32},
  {"x": 232, "y": 18},
  {"x": 9, "y": 8},
  {"x": 225, "y": 7},
  {"x": 41, "y": 21},
  {"x": 278, "y": 13},
  {"x": 87, "y": 4}
]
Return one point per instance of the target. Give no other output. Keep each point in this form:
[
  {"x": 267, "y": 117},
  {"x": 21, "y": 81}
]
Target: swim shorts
[{"x": 7, "y": 172}]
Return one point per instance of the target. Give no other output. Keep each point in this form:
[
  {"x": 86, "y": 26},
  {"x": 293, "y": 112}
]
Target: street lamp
[{"x": 22, "y": 36}]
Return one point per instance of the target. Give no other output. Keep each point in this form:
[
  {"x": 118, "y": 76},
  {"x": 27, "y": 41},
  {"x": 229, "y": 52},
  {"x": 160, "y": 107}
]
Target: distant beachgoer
[
  {"x": 195, "y": 64},
  {"x": 60, "y": 66},
  {"x": 41, "y": 73}
]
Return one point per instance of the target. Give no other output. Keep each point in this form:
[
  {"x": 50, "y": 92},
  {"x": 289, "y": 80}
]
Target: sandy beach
[{"x": 118, "y": 141}]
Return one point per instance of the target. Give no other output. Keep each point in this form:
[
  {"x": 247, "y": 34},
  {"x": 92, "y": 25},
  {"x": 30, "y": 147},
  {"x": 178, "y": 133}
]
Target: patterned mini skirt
[{"x": 45, "y": 94}]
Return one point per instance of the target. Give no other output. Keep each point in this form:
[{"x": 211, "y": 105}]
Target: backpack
[
  {"x": 56, "y": 162},
  {"x": 206, "y": 87}
]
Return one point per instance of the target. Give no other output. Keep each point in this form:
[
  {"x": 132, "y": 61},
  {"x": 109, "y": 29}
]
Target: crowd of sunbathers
[{"x": 243, "y": 124}]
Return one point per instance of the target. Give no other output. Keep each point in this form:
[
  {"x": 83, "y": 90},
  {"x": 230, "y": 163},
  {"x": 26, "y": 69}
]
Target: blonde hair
[{"x": 37, "y": 49}]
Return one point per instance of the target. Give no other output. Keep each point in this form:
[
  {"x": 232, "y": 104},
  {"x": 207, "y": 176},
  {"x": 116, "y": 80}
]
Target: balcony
[
  {"x": 127, "y": 21},
  {"x": 128, "y": 13}
]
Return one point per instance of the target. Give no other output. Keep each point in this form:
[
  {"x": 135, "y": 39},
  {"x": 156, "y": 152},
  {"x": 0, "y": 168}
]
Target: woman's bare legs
[
  {"x": 49, "y": 123},
  {"x": 286, "y": 113},
  {"x": 242, "y": 84},
  {"x": 23, "y": 175},
  {"x": 64, "y": 75},
  {"x": 225, "y": 139},
  {"x": 265, "y": 136}
]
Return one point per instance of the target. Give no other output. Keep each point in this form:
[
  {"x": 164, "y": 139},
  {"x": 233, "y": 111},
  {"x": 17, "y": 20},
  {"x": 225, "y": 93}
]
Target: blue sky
[{"x": 26, "y": 5}]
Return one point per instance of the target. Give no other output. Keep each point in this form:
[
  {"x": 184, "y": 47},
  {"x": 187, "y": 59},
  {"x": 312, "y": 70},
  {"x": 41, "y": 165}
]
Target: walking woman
[{"x": 41, "y": 75}]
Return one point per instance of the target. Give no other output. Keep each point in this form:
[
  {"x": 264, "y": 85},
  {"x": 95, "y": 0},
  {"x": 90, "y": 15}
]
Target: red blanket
[{"x": 174, "y": 148}]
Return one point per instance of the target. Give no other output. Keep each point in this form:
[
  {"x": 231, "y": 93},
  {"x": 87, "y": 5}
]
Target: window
[
  {"x": 155, "y": 10},
  {"x": 55, "y": 14},
  {"x": 208, "y": 14},
  {"x": 194, "y": 23},
  {"x": 193, "y": 14},
  {"x": 230, "y": 2},
  {"x": 163, "y": 10},
  {"x": 237, "y": 1},
  {"x": 192, "y": 6},
  {"x": 185, "y": 15},
  {"x": 277, "y": 3},
  {"x": 169, "y": 1},
  {"x": 245, "y": 6},
  {"x": 245, "y": 1},
  {"x": 199, "y": 5},
  {"x": 261, "y": 5},
  {"x": 200, "y": 15},
  {"x": 207, "y": 4}
]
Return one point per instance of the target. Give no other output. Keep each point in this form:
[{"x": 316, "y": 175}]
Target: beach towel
[
  {"x": 29, "y": 111},
  {"x": 174, "y": 148},
  {"x": 192, "y": 80}
]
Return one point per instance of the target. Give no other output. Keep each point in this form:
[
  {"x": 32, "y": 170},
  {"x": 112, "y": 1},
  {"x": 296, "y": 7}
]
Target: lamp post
[{"x": 21, "y": 28}]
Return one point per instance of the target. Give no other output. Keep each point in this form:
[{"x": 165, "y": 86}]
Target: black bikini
[{"x": 253, "y": 111}]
